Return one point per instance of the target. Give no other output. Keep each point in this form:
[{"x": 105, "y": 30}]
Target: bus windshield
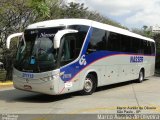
[{"x": 37, "y": 54}]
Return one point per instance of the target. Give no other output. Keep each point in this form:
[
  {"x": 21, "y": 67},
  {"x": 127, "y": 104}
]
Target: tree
[
  {"x": 144, "y": 31},
  {"x": 145, "y": 27},
  {"x": 157, "y": 40},
  {"x": 138, "y": 31},
  {"x": 74, "y": 10},
  {"x": 15, "y": 15},
  {"x": 78, "y": 10}
]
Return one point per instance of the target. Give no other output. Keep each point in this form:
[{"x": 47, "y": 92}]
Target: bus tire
[
  {"x": 141, "y": 77},
  {"x": 89, "y": 85}
]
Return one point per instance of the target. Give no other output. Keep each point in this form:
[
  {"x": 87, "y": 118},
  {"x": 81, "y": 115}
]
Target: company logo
[
  {"x": 136, "y": 59},
  {"x": 47, "y": 35},
  {"x": 82, "y": 60}
]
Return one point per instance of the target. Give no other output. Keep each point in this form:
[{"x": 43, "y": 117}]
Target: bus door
[{"x": 69, "y": 68}]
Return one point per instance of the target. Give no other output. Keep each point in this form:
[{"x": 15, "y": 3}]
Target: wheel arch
[
  {"x": 91, "y": 80},
  {"x": 142, "y": 69},
  {"x": 94, "y": 73}
]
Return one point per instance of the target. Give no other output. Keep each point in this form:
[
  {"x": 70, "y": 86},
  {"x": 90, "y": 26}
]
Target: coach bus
[{"x": 67, "y": 55}]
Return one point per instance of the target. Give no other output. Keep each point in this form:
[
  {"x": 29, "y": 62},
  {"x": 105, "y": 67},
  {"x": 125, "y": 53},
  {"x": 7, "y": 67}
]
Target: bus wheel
[
  {"x": 141, "y": 76},
  {"x": 89, "y": 85}
]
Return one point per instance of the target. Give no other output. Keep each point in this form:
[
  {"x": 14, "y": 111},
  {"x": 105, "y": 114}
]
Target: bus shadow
[
  {"x": 116, "y": 85},
  {"x": 15, "y": 95}
]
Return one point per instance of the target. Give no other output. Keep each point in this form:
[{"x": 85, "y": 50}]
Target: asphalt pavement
[{"x": 123, "y": 98}]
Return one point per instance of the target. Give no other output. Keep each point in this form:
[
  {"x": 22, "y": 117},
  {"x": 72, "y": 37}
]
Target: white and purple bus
[{"x": 66, "y": 55}]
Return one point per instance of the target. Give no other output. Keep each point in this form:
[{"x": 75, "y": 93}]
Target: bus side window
[
  {"x": 97, "y": 41},
  {"x": 145, "y": 43},
  {"x": 141, "y": 47},
  {"x": 68, "y": 50},
  {"x": 113, "y": 43},
  {"x": 80, "y": 36},
  {"x": 152, "y": 48}
]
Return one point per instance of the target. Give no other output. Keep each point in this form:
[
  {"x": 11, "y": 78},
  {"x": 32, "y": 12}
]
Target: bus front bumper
[{"x": 40, "y": 86}]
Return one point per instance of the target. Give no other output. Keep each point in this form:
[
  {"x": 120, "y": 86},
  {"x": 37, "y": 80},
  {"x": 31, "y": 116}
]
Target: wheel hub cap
[{"x": 88, "y": 85}]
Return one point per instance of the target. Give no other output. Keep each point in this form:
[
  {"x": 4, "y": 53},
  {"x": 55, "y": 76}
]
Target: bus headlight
[
  {"x": 48, "y": 78},
  {"x": 53, "y": 77},
  {"x": 58, "y": 75}
]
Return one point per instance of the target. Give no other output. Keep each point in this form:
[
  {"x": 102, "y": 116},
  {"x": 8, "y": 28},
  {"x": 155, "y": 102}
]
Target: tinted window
[
  {"x": 135, "y": 45},
  {"x": 152, "y": 48},
  {"x": 68, "y": 49},
  {"x": 80, "y": 36},
  {"x": 97, "y": 41},
  {"x": 149, "y": 47},
  {"x": 80, "y": 28},
  {"x": 141, "y": 46},
  {"x": 113, "y": 43},
  {"x": 39, "y": 54},
  {"x": 105, "y": 40},
  {"x": 126, "y": 43},
  {"x": 145, "y": 45}
]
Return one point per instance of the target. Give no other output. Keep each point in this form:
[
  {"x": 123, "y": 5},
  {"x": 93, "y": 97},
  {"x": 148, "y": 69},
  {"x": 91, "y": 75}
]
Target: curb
[{"x": 6, "y": 84}]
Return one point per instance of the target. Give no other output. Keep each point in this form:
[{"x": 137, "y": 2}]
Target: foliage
[
  {"x": 77, "y": 10},
  {"x": 145, "y": 31},
  {"x": 40, "y": 7},
  {"x": 13, "y": 18},
  {"x": 16, "y": 15},
  {"x": 157, "y": 40}
]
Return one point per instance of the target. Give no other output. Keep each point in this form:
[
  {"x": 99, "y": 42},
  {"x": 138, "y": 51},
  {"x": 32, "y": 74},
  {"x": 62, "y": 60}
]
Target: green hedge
[{"x": 2, "y": 75}]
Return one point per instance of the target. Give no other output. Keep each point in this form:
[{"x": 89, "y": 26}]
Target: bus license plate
[{"x": 27, "y": 87}]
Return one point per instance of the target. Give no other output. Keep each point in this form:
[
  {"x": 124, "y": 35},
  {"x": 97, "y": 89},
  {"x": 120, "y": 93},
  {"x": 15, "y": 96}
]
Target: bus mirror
[
  {"x": 60, "y": 34},
  {"x": 10, "y": 37}
]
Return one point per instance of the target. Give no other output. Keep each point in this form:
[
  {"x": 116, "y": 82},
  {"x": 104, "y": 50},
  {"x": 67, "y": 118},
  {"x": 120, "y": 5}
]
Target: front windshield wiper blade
[
  {"x": 37, "y": 57},
  {"x": 23, "y": 39},
  {"x": 24, "y": 43}
]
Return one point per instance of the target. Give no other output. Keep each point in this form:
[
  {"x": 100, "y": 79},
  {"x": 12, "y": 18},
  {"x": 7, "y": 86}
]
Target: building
[{"x": 155, "y": 29}]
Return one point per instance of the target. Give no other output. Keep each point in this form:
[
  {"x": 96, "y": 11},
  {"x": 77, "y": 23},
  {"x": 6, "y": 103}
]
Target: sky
[{"x": 129, "y": 13}]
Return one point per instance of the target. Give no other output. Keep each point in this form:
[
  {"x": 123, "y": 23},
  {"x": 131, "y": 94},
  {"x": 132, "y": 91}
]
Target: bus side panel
[
  {"x": 149, "y": 65},
  {"x": 118, "y": 68}
]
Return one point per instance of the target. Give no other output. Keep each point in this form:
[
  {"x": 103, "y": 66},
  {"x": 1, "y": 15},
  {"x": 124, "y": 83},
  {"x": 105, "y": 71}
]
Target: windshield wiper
[
  {"x": 37, "y": 56},
  {"x": 24, "y": 43}
]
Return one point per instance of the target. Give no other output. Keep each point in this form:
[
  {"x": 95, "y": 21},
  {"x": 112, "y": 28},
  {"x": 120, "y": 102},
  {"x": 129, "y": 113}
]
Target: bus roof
[{"x": 66, "y": 22}]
